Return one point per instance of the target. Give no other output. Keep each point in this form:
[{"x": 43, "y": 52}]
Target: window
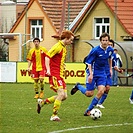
[
  {"x": 37, "y": 29},
  {"x": 101, "y": 25}
]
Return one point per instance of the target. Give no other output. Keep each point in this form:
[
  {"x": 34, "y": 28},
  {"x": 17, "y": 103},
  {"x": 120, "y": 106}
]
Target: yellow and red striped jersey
[
  {"x": 37, "y": 57},
  {"x": 57, "y": 56}
]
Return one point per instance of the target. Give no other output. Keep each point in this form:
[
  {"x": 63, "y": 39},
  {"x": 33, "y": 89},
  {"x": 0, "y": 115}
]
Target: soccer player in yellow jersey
[
  {"x": 36, "y": 58},
  {"x": 54, "y": 68}
]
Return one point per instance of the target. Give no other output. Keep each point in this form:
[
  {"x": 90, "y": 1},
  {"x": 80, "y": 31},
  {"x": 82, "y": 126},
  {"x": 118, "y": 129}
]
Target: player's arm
[
  {"x": 47, "y": 64},
  {"x": 53, "y": 51},
  {"x": 29, "y": 59},
  {"x": 110, "y": 65},
  {"x": 89, "y": 62},
  {"x": 29, "y": 64},
  {"x": 115, "y": 66},
  {"x": 118, "y": 69},
  {"x": 90, "y": 77}
]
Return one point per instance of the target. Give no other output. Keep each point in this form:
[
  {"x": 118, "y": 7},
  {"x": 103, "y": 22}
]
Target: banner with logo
[{"x": 74, "y": 72}]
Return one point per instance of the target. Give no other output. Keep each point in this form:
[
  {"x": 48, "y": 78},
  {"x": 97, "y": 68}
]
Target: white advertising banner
[{"x": 7, "y": 71}]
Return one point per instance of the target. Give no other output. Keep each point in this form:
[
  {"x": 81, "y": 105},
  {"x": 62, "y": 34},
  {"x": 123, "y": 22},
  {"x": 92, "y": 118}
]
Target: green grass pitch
[{"x": 18, "y": 112}]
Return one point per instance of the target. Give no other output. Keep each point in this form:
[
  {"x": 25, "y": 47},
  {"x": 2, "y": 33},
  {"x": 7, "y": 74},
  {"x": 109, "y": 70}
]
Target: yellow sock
[
  {"x": 56, "y": 107},
  {"x": 36, "y": 87},
  {"x": 50, "y": 100}
]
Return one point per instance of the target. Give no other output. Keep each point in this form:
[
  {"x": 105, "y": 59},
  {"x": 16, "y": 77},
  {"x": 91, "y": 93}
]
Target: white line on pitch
[{"x": 78, "y": 128}]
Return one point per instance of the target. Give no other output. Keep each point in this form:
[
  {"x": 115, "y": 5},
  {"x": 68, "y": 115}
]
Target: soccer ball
[{"x": 95, "y": 114}]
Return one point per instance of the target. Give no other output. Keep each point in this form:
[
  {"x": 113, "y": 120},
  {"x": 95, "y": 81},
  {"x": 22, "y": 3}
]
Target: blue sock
[
  {"x": 104, "y": 96},
  {"x": 131, "y": 97},
  {"x": 93, "y": 104},
  {"x": 81, "y": 88}
]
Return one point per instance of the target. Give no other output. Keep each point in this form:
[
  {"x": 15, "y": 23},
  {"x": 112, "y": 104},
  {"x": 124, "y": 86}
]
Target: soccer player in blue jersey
[
  {"x": 96, "y": 74},
  {"x": 109, "y": 76}
]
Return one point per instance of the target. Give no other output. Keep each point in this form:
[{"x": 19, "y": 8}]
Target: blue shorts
[
  {"x": 97, "y": 81},
  {"x": 109, "y": 81}
]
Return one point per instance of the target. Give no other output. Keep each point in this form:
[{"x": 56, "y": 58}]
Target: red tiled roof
[
  {"x": 72, "y": 8},
  {"x": 53, "y": 8},
  {"x": 124, "y": 13}
]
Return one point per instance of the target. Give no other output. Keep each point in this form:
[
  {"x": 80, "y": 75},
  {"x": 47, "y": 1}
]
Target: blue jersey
[
  {"x": 99, "y": 58},
  {"x": 107, "y": 68},
  {"x": 114, "y": 60}
]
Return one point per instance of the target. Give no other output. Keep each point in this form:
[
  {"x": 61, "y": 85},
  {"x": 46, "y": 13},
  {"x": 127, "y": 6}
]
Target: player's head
[
  {"x": 104, "y": 39},
  {"x": 111, "y": 43},
  {"x": 67, "y": 37},
  {"x": 104, "y": 35},
  {"x": 36, "y": 42},
  {"x": 115, "y": 50},
  {"x": 36, "y": 39}
]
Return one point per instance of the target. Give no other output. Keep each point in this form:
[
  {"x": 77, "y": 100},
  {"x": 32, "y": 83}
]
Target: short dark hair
[
  {"x": 115, "y": 49},
  {"x": 112, "y": 41},
  {"x": 36, "y": 38},
  {"x": 104, "y": 35}
]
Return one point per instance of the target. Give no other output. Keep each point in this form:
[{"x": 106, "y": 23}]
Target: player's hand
[
  {"x": 28, "y": 69},
  {"x": 48, "y": 73},
  {"x": 120, "y": 70},
  {"x": 111, "y": 73},
  {"x": 90, "y": 77}
]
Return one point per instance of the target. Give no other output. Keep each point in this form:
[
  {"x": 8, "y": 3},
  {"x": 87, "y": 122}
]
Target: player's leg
[
  {"x": 131, "y": 97},
  {"x": 99, "y": 105},
  {"x": 42, "y": 102},
  {"x": 77, "y": 87},
  {"x": 62, "y": 94},
  {"x": 95, "y": 100},
  {"x": 104, "y": 96},
  {"x": 113, "y": 76},
  {"x": 41, "y": 95},
  {"x": 49, "y": 100},
  {"x": 35, "y": 76},
  {"x": 41, "y": 78},
  {"x": 36, "y": 88},
  {"x": 100, "y": 82},
  {"x": 117, "y": 79},
  {"x": 60, "y": 85},
  {"x": 82, "y": 89}
]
